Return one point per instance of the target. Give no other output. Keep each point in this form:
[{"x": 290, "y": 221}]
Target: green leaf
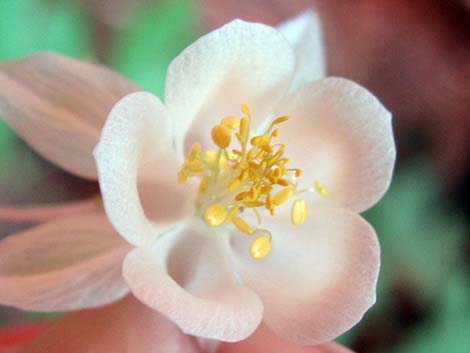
[
  {"x": 30, "y": 25},
  {"x": 155, "y": 36}
]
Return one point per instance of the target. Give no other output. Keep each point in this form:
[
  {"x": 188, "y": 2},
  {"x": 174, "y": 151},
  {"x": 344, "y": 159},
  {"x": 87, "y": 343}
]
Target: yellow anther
[
  {"x": 260, "y": 247},
  {"x": 234, "y": 185},
  {"x": 242, "y": 225},
  {"x": 203, "y": 185},
  {"x": 282, "y": 196},
  {"x": 232, "y": 213},
  {"x": 210, "y": 158},
  {"x": 260, "y": 140},
  {"x": 215, "y": 215},
  {"x": 279, "y": 120},
  {"x": 283, "y": 182},
  {"x": 231, "y": 122},
  {"x": 298, "y": 213},
  {"x": 275, "y": 133},
  {"x": 246, "y": 110},
  {"x": 253, "y": 203},
  {"x": 194, "y": 151},
  {"x": 298, "y": 173},
  {"x": 221, "y": 136},
  {"x": 266, "y": 189},
  {"x": 322, "y": 190},
  {"x": 183, "y": 176},
  {"x": 241, "y": 196},
  {"x": 244, "y": 128}
]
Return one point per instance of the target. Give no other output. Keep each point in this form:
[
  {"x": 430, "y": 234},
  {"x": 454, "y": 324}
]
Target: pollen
[{"x": 249, "y": 179}]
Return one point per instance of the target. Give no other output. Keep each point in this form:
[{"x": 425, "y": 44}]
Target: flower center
[{"x": 252, "y": 178}]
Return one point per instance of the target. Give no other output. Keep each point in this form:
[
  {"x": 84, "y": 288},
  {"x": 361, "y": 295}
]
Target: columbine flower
[
  {"x": 269, "y": 230},
  {"x": 290, "y": 252}
]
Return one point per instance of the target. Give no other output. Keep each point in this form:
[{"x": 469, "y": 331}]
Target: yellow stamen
[
  {"x": 256, "y": 176},
  {"x": 279, "y": 120},
  {"x": 282, "y": 196},
  {"x": 260, "y": 247},
  {"x": 234, "y": 185},
  {"x": 242, "y": 225},
  {"x": 244, "y": 128},
  {"x": 322, "y": 190},
  {"x": 215, "y": 215},
  {"x": 232, "y": 213},
  {"x": 203, "y": 185},
  {"x": 246, "y": 110},
  {"x": 221, "y": 136},
  {"x": 194, "y": 151},
  {"x": 299, "y": 212},
  {"x": 231, "y": 122}
]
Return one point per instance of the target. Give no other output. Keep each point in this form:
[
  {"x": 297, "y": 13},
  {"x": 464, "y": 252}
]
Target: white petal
[
  {"x": 58, "y": 105},
  {"x": 186, "y": 276},
  {"x": 305, "y": 35},
  {"x": 126, "y": 326},
  {"x": 270, "y": 343},
  {"x": 319, "y": 279},
  {"x": 238, "y": 63},
  {"x": 136, "y": 147},
  {"x": 71, "y": 263},
  {"x": 341, "y": 135}
]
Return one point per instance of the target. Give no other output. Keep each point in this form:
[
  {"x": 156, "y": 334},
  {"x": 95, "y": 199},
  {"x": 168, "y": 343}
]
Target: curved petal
[
  {"x": 341, "y": 135},
  {"x": 305, "y": 35},
  {"x": 186, "y": 276},
  {"x": 238, "y": 63},
  {"x": 319, "y": 279},
  {"x": 125, "y": 326},
  {"x": 264, "y": 339},
  {"x": 67, "y": 264},
  {"x": 136, "y": 144},
  {"x": 58, "y": 106}
]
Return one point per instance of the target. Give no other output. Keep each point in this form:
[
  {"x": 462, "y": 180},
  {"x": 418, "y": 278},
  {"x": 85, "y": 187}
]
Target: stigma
[{"x": 254, "y": 177}]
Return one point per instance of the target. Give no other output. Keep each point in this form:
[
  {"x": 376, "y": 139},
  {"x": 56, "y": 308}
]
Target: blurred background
[{"x": 413, "y": 54}]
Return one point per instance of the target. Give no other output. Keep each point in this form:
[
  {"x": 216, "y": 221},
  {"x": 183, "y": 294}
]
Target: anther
[
  {"x": 282, "y": 196},
  {"x": 215, "y": 215},
  {"x": 242, "y": 225},
  {"x": 260, "y": 247},
  {"x": 322, "y": 190},
  {"x": 299, "y": 212},
  {"x": 221, "y": 136}
]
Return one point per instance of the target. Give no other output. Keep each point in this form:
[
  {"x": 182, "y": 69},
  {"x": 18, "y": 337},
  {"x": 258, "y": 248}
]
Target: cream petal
[
  {"x": 58, "y": 106},
  {"x": 125, "y": 326},
  {"x": 305, "y": 35},
  {"x": 341, "y": 135},
  {"x": 71, "y": 263},
  {"x": 238, "y": 63},
  {"x": 186, "y": 276},
  {"x": 264, "y": 340},
  {"x": 135, "y": 154},
  {"x": 319, "y": 279}
]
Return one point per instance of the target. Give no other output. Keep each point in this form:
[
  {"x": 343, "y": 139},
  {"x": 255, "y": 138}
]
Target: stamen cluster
[{"x": 252, "y": 177}]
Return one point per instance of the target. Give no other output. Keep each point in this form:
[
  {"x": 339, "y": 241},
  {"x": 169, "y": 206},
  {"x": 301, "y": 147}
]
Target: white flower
[
  {"x": 311, "y": 281},
  {"x": 192, "y": 260}
]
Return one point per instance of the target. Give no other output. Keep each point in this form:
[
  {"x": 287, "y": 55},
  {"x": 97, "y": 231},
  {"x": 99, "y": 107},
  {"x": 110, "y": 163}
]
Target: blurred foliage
[
  {"x": 423, "y": 288},
  {"x": 151, "y": 39},
  {"x": 27, "y": 26}
]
